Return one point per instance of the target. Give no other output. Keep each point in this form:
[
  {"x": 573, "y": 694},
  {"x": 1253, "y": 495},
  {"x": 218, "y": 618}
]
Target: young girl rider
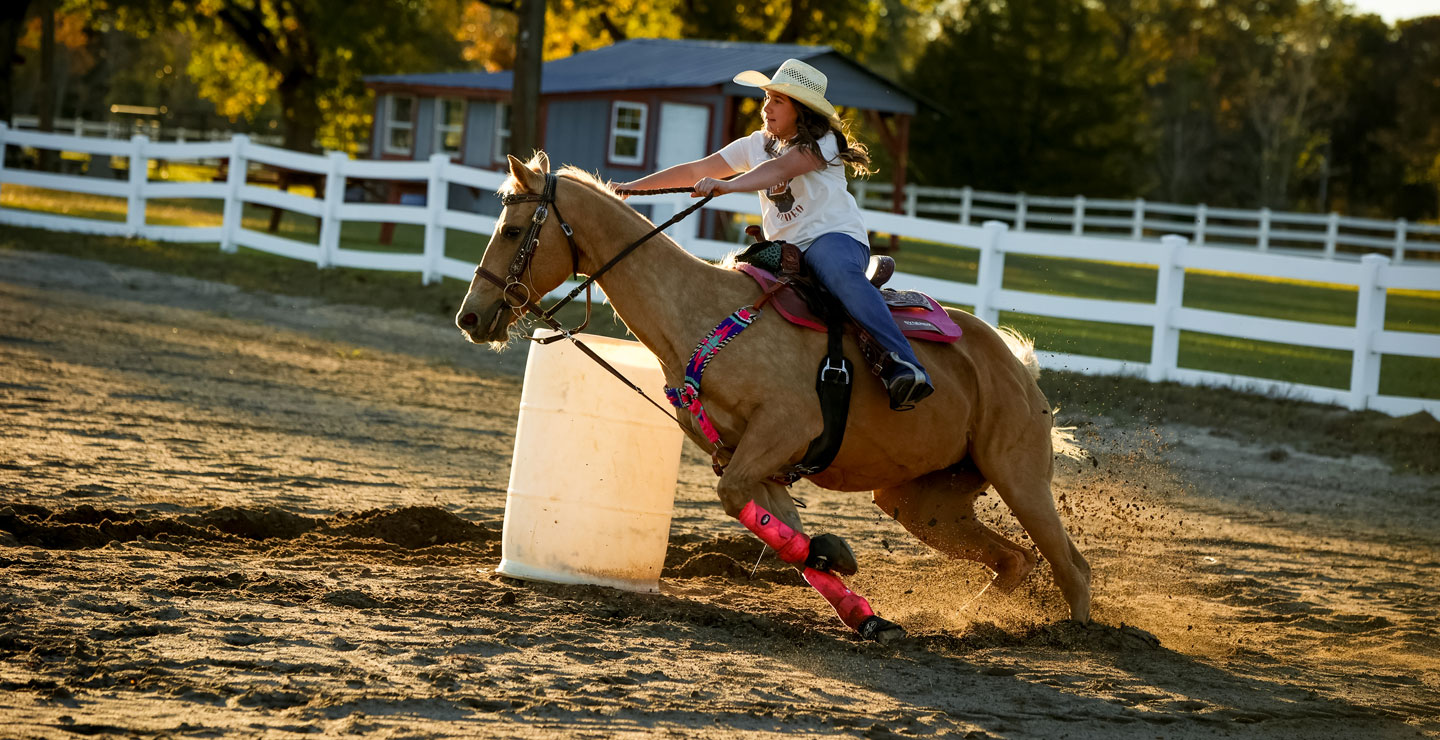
[{"x": 797, "y": 162}]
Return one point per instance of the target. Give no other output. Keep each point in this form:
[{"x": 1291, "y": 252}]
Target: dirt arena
[{"x": 236, "y": 515}]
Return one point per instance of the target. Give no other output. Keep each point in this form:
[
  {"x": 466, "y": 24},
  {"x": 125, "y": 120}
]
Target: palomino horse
[{"x": 987, "y": 423}]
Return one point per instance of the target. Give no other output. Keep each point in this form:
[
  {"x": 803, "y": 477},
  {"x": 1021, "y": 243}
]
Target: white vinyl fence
[
  {"x": 1329, "y": 236},
  {"x": 118, "y": 129},
  {"x": 1167, "y": 316}
]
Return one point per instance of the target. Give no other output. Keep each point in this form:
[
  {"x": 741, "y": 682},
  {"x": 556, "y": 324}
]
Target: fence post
[
  {"x": 437, "y": 200},
  {"x": 862, "y": 191},
  {"x": 1332, "y": 234},
  {"x": 1200, "y": 225},
  {"x": 1369, "y": 321},
  {"x": 1400, "y": 225},
  {"x": 1137, "y": 229},
  {"x": 991, "y": 275},
  {"x": 967, "y": 195},
  {"x": 685, "y": 232},
  {"x": 234, "y": 217},
  {"x": 1169, "y": 296},
  {"x": 1264, "y": 237},
  {"x": 1078, "y": 227},
  {"x": 1021, "y": 207},
  {"x": 139, "y": 173},
  {"x": 330, "y": 211}
]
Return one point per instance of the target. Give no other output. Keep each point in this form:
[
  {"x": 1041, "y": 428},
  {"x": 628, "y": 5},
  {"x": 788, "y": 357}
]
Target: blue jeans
[{"x": 838, "y": 261}]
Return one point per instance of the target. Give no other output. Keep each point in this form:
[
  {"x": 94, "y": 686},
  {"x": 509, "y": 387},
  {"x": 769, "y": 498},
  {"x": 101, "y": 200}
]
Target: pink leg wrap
[
  {"x": 791, "y": 546},
  {"x": 852, "y": 607},
  {"x": 794, "y": 547}
]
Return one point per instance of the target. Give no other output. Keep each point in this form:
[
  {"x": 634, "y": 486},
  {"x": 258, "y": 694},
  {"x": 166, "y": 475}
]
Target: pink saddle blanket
[{"x": 919, "y": 316}]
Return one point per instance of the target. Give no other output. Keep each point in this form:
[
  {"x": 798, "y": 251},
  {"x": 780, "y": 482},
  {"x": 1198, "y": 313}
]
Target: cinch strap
[{"x": 687, "y": 396}]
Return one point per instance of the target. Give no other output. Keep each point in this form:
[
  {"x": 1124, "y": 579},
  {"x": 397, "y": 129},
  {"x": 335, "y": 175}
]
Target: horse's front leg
[{"x": 766, "y": 509}]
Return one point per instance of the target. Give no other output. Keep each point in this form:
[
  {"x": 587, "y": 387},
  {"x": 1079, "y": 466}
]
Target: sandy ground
[{"x": 239, "y": 515}]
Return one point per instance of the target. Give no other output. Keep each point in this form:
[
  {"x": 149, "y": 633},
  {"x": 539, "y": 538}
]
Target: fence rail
[
  {"x": 1330, "y": 236},
  {"x": 117, "y": 129},
  {"x": 1173, "y": 256}
]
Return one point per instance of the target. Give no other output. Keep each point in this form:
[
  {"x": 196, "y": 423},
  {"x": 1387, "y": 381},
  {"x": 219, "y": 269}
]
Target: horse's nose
[{"x": 468, "y": 321}]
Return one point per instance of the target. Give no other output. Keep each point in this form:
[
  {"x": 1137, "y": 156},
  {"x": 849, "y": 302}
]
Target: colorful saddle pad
[{"x": 918, "y": 315}]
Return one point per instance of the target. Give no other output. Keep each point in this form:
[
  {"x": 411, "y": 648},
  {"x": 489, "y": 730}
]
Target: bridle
[{"x": 520, "y": 264}]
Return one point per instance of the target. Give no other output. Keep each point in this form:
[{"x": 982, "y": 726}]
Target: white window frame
[
  {"x": 639, "y": 135},
  {"x": 392, "y": 125},
  {"x": 502, "y": 132},
  {"x": 441, "y": 128}
]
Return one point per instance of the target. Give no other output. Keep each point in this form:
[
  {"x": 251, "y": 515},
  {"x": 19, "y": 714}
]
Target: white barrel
[{"x": 592, "y": 482}]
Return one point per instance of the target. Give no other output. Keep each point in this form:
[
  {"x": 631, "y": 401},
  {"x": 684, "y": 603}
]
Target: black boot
[{"x": 906, "y": 383}]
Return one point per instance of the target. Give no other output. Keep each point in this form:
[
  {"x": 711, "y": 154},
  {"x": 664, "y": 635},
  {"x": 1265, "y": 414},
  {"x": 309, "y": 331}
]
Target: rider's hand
[{"x": 708, "y": 186}]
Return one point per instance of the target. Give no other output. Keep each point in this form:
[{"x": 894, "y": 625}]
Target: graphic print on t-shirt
[{"x": 784, "y": 201}]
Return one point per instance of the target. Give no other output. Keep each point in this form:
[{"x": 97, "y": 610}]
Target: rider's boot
[{"x": 906, "y": 383}]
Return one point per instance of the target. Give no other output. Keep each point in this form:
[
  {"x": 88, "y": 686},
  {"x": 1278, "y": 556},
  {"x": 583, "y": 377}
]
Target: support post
[
  {"x": 967, "y": 197},
  {"x": 1332, "y": 235},
  {"x": 1137, "y": 229},
  {"x": 233, "y": 219},
  {"x": 139, "y": 173},
  {"x": 1020, "y": 208},
  {"x": 1400, "y": 228},
  {"x": 330, "y": 210},
  {"x": 437, "y": 200},
  {"x": 1264, "y": 236},
  {"x": 1077, "y": 226},
  {"x": 1200, "y": 225},
  {"x": 1169, "y": 296},
  {"x": 1369, "y": 321},
  {"x": 4, "y": 130},
  {"x": 991, "y": 275}
]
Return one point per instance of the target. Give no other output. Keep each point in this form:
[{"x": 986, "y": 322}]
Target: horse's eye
[{"x": 511, "y": 232}]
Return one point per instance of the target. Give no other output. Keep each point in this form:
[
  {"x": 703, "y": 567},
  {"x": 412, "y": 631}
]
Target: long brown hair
[{"x": 810, "y": 128}]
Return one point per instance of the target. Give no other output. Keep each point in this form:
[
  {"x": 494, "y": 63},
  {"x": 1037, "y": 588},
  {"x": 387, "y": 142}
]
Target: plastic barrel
[{"x": 592, "y": 481}]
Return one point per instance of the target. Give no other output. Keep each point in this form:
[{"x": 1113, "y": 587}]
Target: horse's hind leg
[
  {"x": 939, "y": 509},
  {"x": 1020, "y": 472}
]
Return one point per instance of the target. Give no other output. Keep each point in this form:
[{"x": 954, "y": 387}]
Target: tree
[
  {"x": 1037, "y": 99},
  {"x": 12, "y": 26}
]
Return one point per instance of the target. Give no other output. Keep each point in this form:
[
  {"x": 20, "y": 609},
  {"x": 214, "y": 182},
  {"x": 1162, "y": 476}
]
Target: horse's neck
[{"x": 663, "y": 294}]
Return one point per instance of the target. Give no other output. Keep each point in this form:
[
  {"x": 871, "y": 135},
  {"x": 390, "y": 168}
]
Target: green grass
[{"x": 1228, "y": 293}]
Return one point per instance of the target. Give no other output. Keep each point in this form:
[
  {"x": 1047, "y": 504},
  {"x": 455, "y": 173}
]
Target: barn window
[
  {"x": 449, "y": 124},
  {"x": 399, "y": 124},
  {"x": 502, "y": 131},
  {"x": 627, "y": 133}
]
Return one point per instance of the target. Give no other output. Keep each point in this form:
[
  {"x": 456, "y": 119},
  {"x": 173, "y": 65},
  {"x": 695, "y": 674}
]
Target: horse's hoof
[
  {"x": 881, "y": 630},
  {"x": 829, "y": 553}
]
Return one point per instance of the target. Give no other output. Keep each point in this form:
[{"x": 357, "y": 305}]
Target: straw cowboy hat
[{"x": 800, "y": 82}]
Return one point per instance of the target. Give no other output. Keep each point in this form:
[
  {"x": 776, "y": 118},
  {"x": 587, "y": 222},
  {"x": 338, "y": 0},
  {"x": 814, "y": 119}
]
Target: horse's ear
[
  {"x": 528, "y": 180},
  {"x": 540, "y": 162}
]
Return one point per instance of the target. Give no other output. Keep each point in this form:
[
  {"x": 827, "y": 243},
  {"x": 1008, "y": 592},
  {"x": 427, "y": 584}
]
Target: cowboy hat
[{"x": 800, "y": 82}]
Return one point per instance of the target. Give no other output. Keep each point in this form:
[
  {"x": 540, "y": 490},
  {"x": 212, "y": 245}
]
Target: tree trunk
[
  {"x": 300, "y": 107},
  {"x": 525, "y": 96},
  {"x": 12, "y": 27},
  {"x": 48, "y": 93}
]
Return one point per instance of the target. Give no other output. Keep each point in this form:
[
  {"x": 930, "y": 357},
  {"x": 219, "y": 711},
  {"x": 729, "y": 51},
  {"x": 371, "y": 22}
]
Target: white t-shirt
[{"x": 802, "y": 209}]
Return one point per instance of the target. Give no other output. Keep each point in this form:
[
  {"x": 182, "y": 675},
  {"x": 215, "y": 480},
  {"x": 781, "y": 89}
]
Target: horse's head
[{"x": 528, "y": 253}]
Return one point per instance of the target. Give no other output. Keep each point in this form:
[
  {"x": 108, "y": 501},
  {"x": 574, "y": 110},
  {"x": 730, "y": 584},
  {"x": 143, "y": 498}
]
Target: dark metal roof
[{"x": 638, "y": 64}]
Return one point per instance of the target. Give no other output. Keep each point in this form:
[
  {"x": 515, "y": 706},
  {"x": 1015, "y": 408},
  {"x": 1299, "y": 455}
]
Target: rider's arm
[
  {"x": 768, "y": 174},
  {"x": 682, "y": 175}
]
